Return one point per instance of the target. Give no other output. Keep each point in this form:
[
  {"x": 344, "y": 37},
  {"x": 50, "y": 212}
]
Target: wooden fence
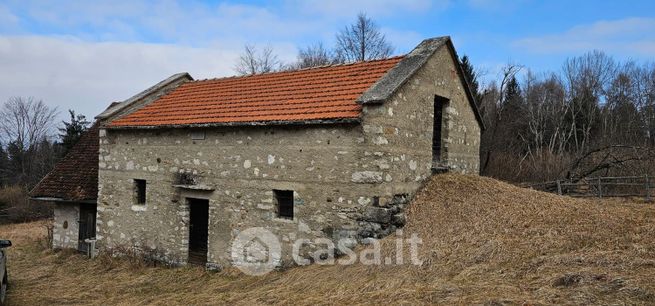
[{"x": 621, "y": 186}]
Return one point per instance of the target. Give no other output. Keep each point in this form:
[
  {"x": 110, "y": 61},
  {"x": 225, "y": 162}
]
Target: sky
[{"x": 84, "y": 54}]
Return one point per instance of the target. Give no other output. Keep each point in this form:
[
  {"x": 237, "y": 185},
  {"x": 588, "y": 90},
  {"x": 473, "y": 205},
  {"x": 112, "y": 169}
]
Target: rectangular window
[
  {"x": 440, "y": 104},
  {"x": 284, "y": 199},
  {"x": 198, "y": 135},
  {"x": 140, "y": 191}
]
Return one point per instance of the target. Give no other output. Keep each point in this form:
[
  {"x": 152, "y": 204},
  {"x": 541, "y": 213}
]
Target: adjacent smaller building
[{"x": 73, "y": 188}]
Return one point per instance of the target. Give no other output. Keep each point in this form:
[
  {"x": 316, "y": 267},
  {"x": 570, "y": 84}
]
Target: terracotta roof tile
[
  {"x": 75, "y": 177},
  {"x": 310, "y": 94}
]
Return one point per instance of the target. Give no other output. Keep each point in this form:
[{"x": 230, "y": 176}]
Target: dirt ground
[{"x": 484, "y": 242}]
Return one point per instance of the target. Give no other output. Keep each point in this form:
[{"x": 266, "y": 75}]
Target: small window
[
  {"x": 284, "y": 199},
  {"x": 198, "y": 135},
  {"x": 140, "y": 191}
]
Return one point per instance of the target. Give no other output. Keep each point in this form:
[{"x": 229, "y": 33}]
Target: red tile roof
[
  {"x": 323, "y": 93},
  {"x": 75, "y": 177}
]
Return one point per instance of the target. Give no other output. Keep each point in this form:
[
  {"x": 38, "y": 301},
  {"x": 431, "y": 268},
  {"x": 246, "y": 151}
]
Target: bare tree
[
  {"x": 26, "y": 121},
  {"x": 25, "y": 126},
  {"x": 313, "y": 56},
  {"x": 595, "y": 116},
  {"x": 643, "y": 87},
  {"x": 362, "y": 41},
  {"x": 546, "y": 112},
  {"x": 587, "y": 79},
  {"x": 253, "y": 61}
]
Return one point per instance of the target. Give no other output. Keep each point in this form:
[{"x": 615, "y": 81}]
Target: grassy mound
[
  {"x": 496, "y": 240},
  {"x": 484, "y": 242}
]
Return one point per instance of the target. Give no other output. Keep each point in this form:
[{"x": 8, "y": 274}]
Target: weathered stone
[
  {"x": 400, "y": 199},
  {"x": 367, "y": 177},
  {"x": 213, "y": 267},
  {"x": 398, "y": 219},
  {"x": 368, "y": 229},
  {"x": 377, "y": 214},
  {"x": 65, "y": 228},
  {"x": 386, "y": 231}
]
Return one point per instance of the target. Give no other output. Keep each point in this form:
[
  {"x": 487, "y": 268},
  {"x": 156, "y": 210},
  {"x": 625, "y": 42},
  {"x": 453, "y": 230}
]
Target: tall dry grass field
[{"x": 484, "y": 242}]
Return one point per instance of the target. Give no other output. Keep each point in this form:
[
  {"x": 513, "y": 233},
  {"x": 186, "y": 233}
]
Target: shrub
[{"x": 15, "y": 206}]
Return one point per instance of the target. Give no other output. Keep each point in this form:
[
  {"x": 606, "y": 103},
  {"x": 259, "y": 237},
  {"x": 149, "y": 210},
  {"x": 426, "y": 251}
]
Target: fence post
[
  {"x": 600, "y": 189},
  {"x": 559, "y": 187}
]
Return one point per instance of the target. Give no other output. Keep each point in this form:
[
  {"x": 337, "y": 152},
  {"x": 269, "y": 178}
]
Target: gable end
[
  {"x": 131, "y": 104},
  {"x": 386, "y": 86}
]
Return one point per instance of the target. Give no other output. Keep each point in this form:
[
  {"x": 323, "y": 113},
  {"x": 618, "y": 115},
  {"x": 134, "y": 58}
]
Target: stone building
[
  {"x": 329, "y": 152},
  {"x": 72, "y": 186}
]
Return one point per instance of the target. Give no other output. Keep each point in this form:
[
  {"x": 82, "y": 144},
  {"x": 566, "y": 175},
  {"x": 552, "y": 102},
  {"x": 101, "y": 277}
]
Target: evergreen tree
[
  {"x": 4, "y": 166},
  {"x": 472, "y": 78},
  {"x": 16, "y": 162},
  {"x": 512, "y": 92},
  {"x": 71, "y": 131}
]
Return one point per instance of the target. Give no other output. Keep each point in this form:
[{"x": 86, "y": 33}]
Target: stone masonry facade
[
  {"x": 65, "y": 231},
  {"x": 349, "y": 179}
]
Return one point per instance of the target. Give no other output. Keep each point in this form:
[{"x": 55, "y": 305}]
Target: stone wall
[
  {"x": 244, "y": 166},
  {"x": 399, "y": 132},
  {"x": 396, "y": 154},
  {"x": 349, "y": 180},
  {"x": 65, "y": 226}
]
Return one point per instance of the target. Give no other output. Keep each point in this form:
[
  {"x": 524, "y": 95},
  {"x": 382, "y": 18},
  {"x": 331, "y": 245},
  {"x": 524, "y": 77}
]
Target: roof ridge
[{"x": 296, "y": 70}]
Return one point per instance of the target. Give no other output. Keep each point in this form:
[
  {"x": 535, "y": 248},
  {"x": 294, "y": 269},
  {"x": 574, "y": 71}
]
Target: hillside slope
[
  {"x": 484, "y": 241},
  {"x": 511, "y": 243}
]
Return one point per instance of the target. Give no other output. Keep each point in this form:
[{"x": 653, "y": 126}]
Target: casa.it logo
[{"x": 256, "y": 251}]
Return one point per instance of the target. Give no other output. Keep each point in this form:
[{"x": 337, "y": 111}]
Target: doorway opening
[
  {"x": 87, "y": 227},
  {"x": 198, "y": 230}
]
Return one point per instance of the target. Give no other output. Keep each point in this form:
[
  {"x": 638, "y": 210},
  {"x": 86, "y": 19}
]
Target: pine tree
[
  {"x": 16, "y": 162},
  {"x": 512, "y": 91},
  {"x": 4, "y": 166},
  {"x": 472, "y": 78},
  {"x": 71, "y": 132}
]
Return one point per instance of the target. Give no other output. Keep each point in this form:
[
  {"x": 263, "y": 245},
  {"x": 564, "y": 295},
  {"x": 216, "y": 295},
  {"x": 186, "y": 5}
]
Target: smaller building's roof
[
  {"x": 314, "y": 94},
  {"x": 75, "y": 177}
]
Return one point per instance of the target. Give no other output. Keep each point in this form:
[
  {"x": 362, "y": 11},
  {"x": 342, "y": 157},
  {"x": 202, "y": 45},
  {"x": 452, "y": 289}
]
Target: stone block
[
  {"x": 367, "y": 177},
  {"x": 377, "y": 214},
  {"x": 398, "y": 219}
]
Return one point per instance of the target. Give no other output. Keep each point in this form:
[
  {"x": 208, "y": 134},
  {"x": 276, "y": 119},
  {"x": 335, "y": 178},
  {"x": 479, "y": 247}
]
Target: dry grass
[
  {"x": 16, "y": 207},
  {"x": 485, "y": 242}
]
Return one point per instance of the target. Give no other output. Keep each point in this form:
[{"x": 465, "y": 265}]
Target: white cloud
[
  {"x": 375, "y": 8},
  {"x": 87, "y": 76},
  {"x": 630, "y": 36},
  {"x": 173, "y": 21},
  {"x": 103, "y": 57}
]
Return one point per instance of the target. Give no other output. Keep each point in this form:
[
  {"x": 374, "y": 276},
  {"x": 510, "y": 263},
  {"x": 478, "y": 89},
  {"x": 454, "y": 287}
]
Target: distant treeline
[{"x": 594, "y": 117}]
